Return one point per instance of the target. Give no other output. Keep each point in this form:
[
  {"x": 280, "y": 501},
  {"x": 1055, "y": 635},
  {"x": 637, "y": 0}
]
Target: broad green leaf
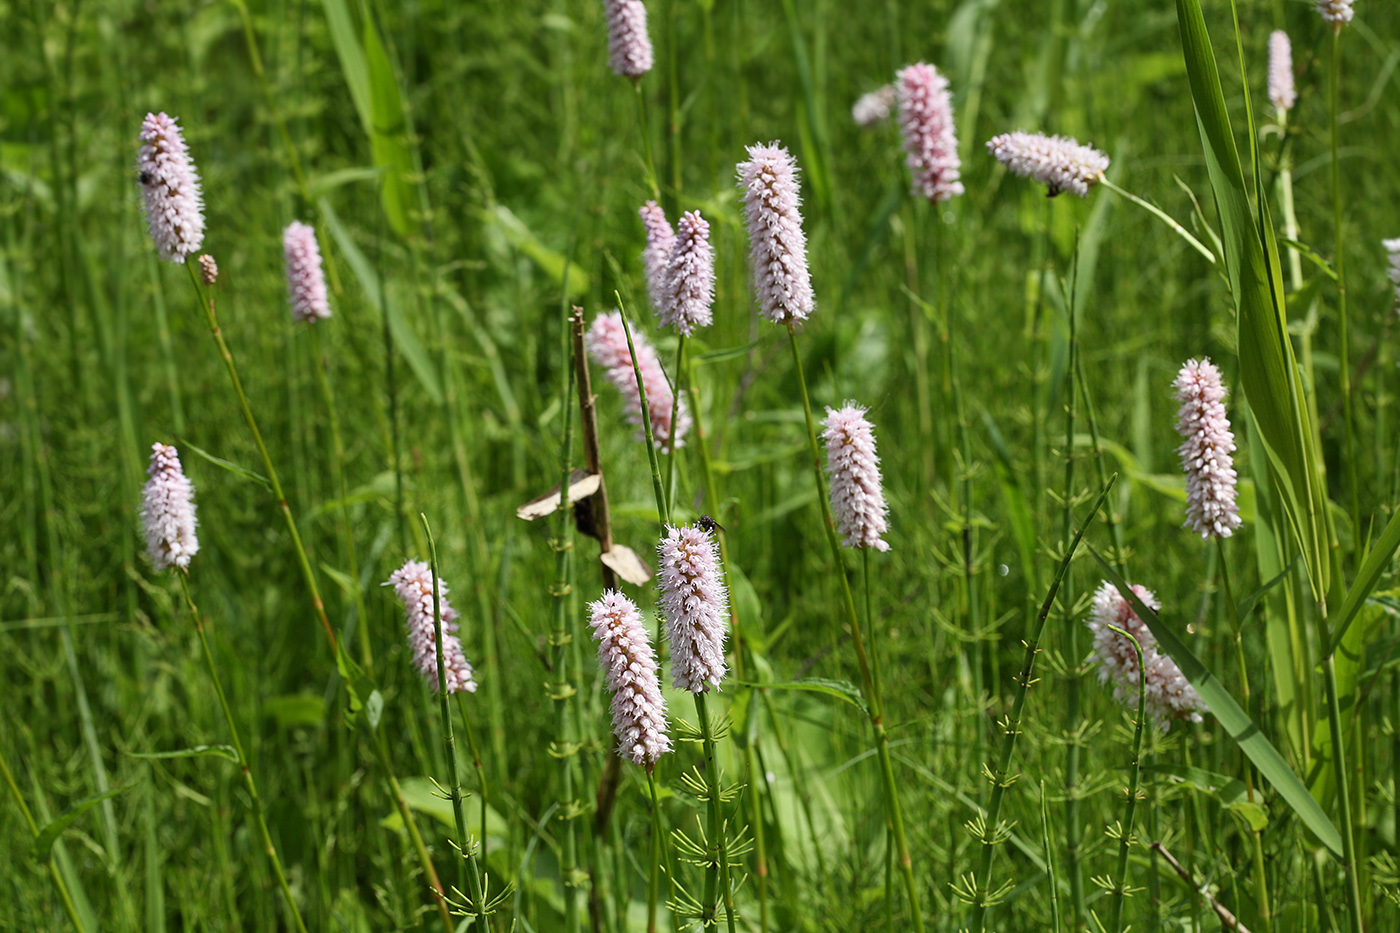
[
  {"x": 296, "y": 709},
  {"x": 552, "y": 263},
  {"x": 351, "y": 55},
  {"x": 388, "y": 133},
  {"x": 1235, "y": 720},
  {"x": 42, "y": 846},
  {"x": 1267, "y": 370},
  {"x": 229, "y": 465},
  {"x": 1376, "y": 562}
]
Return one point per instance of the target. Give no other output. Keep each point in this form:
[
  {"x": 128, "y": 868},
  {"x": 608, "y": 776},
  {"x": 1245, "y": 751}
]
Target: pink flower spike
[
  {"x": 208, "y": 269},
  {"x": 853, "y": 470},
  {"x": 695, "y": 604},
  {"x": 873, "y": 108},
  {"x": 777, "y": 245},
  {"x": 926, "y": 119},
  {"x": 1392, "y": 248},
  {"x": 1281, "y": 92},
  {"x": 690, "y": 277},
  {"x": 1168, "y": 695},
  {"x": 1060, "y": 163},
  {"x": 1205, "y": 454},
  {"x": 169, "y": 189},
  {"x": 661, "y": 239},
  {"x": 1335, "y": 13},
  {"x": 629, "y": 46},
  {"x": 607, "y": 344},
  {"x": 413, "y": 583},
  {"x": 167, "y": 510},
  {"x": 626, "y": 656},
  {"x": 306, "y": 283}
]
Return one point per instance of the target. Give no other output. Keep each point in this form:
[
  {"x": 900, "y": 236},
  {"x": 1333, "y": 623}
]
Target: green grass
[{"x": 515, "y": 154}]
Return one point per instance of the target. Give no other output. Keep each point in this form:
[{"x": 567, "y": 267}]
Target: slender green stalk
[
  {"x": 207, "y": 304},
  {"x": 992, "y": 831},
  {"x": 1334, "y": 723},
  {"x": 243, "y": 765},
  {"x": 1343, "y": 335},
  {"x": 875, "y": 677},
  {"x": 646, "y": 141},
  {"x": 1073, "y": 866},
  {"x": 654, "y": 870},
  {"x": 717, "y": 854},
  {"x": 468, "y": 870},
  {"x": 876, "y": 709},
  {"x": 58, "y": 882},
  {"x": 1125, "y": 830},
  {"x": 1163, "y": 216},
  {"x": 671, "y": 452}
]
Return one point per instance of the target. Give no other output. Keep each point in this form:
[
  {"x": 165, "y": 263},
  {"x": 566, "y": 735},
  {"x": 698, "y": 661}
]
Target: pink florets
[
  {"x": 629, "y": 46},
  {"x": 413, "y": 583},
  {"x": 626, "y": 656},
  {"x": 1058, "y": 162},
  {"x": 695, "y": 604},
  {"x": 208, "y": 269},
  {"x": 167, "y": 510},
  {"x": 306, "y": 284},
  {"x": 169, "y": 189},
  {"x": 1281, "y": 92},
  {"x": 1168, "y": 695},
  {"x": 1205, "y": 454},
  {"x": 926, "y": 119},
  {"x": 1335, "y": 13},
  {"x": 690, "y": 277},
  {"x": 607, "y": 344},
  {"x": 874, "y": 107},
  {"x": 853, "y": 470},
  {"x": 660, "y": 241},
  {"x": 1392, "y": 248},
  {"x": 777, "y": 245}
]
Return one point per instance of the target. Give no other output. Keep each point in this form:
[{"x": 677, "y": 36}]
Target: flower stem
[
  {"x": 872, "y": 692},
  {"x": 59, "y": 883},
  {"x": 717, "y": 854},
  {"x": 1125, "y": 836},
  {"x": 1343, "y": 336},
  {"x": 243, "y": 765},
  {"x": 654, "y": 872},
  {"x": 1163, "y": 216}
]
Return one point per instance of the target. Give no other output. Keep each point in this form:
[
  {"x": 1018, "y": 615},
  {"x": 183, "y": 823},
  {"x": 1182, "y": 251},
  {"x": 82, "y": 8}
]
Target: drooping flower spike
[
  {"x": 873, "y": 108},
  {"x": 777, "y": 245},
  {"x": 413, "y": 583},
  {"x": 1060, "y": 163},
  {"x": 690, "y": 277},
  {"x": 695, "y": 604},
  {"x": 170, "y": 191},
  {"x": 1206, "y": 451},
  {"x": 306, "y": 282},
  {"x": 629, "y": 46},
  {"x": 625, "y": 654},
  {"x": 661, "y": 238},
  {"x": 1169, "y": 696},
  {"x": 607, "y": 345},
  {"x": 167, "y": 510},
  {"x": 853, "y": 472},
  {"x": 926, "y": 120},
  {"x": 1282, "y": 94}
]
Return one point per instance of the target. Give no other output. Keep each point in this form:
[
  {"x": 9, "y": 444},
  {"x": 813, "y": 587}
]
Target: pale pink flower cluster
[
  {"x": 853, "y": 470},
  {"x": 306, "y": 283},
  {"x": 1335, "y": 13},
  {"x": 413, "y": 583},
  {"x": 1058, "y": 162},
  {"x": 926, "y": 119},
  {"x": 873, "y": 108},
  {"x": 1205, "y": 453},
  {"x": 169, "y": 189},
  {"x": 607, "y": 344},
  {"x": 626, "y": 656},
  {"x": 777, "y": 245},
  {"x": 629, "y": 46},
  {"x": 690, "y": 277},
  {"x": 660, "y": 239},
  {"x": 1281, "y": 91},
  {"x": 1392, "y": 248},
  {"x": 1168, "y": 695},
  {"x": 208, "y": 269},
  {"x": 167, "y": 510},
  {"x": 695, "y": 604}
]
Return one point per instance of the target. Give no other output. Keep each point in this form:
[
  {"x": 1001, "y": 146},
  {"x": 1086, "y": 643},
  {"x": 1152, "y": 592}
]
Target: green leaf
[
  {"x": 1231, "y": 793},
  {"x": 199, "y": 751},
  {"x": 723, "y": 356},
  {"x": 323, "y": 185},
  {"x": 388, "y": 133},
  {"x": 1018, "y": 511},
  {"x": 351, "y": 55},
  {"x": 552, "y": 263},
  {"x": 296, "y": 709},
  {"x": 1377, "y": 560},
  {"x": 1235, "y": 720},
  {"x": 42, "y": 847},
  {"x": 1268, "y": 373},
  {"x": 842, "y": 690},
  {"x": 229, "y": 465}
]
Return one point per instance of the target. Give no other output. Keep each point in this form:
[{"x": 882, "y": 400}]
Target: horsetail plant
[
  {"x": 168, "y": 515},
  {"x": 1118, "y": 885}
]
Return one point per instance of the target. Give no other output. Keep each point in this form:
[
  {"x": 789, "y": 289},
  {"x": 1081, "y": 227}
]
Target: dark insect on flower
[
  {"x": 706, "y": 523},
  {"x": 146, "y": 178}
]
